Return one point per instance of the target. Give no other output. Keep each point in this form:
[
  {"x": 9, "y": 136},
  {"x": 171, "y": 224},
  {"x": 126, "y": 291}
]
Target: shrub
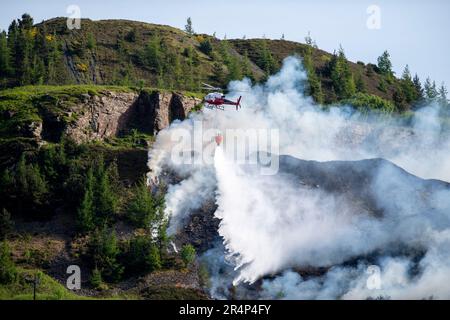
[
  {"x": 382, "y": 86},
  {"x": 81, "y": 67},
  {"x": 6, "y": 224},
  {"x": 368, "y": 102},
  {"x": 204, "y": 276},
  {"x": 188, "y": 254},
  {"x": 103, "y": 252},
  {"x": 142, "y": 256},
  {"x": 96, "y": 280},
  {"x": 131, "y": 36},
  {"x": 206, "y": 47},
  {"x": 8, "y": 270},
  {"x": 91, "y": 43}
]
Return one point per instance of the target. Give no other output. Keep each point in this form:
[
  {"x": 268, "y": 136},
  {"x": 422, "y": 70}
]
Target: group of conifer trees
[{"x": 28, "y": 55}]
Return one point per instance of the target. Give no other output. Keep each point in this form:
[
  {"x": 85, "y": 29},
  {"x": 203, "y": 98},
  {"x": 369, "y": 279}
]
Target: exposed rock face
[
  {"x": 169, "y": 107},
  {"x": 32, "y": 130},
  {"x": 111, "y": 114},
  {"x": 102, "y": 117},
  {"x": 201, "y": 229}
]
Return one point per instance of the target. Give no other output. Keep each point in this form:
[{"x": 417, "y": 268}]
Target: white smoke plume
[{"x": 271, "y": 225}]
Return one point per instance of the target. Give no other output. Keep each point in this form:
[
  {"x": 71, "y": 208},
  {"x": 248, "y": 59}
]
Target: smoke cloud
[{"x": 272, "y": 225}]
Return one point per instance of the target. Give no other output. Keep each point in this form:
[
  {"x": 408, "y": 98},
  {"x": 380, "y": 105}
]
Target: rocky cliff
[
  {"x": 97, "y": 116},
  {"x": 115, "y": 113}
]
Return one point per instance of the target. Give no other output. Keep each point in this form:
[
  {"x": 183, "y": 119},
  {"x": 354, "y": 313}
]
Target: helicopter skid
[{"x": 212, "y": 106}]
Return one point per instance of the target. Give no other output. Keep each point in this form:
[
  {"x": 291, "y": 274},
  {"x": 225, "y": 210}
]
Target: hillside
[
  {"x": 121, "y": 52},
  {"x": 53, "y": 141},
  {"x": 79, "y": 112}
]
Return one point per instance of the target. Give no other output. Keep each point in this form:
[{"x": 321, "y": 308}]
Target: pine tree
[
  {"x": 103, "y": 252},
  {"x": 430, "y": 89},
  {"x": 360, "y": 85},
  {"x": 266, "y": 61},
  {"x": 141, "y": 209},
  {"x": 385, "y": 64},
  {"x": 206, "y": 47},
  {"x": 246, "y": 67},
  {"x": 5, "y": 56},
  {"x": 315, "y": 86},
  {"x": 308, "y": 39},
  {"x": 399, "y": 99},
  {"x": 86, "y": 210},
  {"x": 143, "y": 255},
  {"x": 188, "y": 27},
  {"x": 218, "y": 73},
  {"x": 38, "y": 188},
  {"x": 407, "y": 86},
  {"x": 443, "y": 92},
  {"x": 234, "y": 70},
  {"x": 90, "y": 42},
  {"x": 105, "y": 199},
  {"x": 7, "y": 183},
  {"x": 224, "y": 52},
  {"x": 13, "y": 31},
  {"x": 418, "y": 88},
  {"x": 23, "y": 42},
  {"x": 341, "y": 76},
  {"x": 152, "y": 55},
  {"x": 26, "y": 22},
  {"x": 153, "y": 258},
  {"x": 23, "y": 57},
  {"x": 30, "y": 184},
  {"x": 96, "y": 279},
  {"x": 37, "y": 70},
  {"x": 54, "y": 60}
]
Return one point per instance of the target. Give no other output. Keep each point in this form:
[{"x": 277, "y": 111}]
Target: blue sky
[{"x": 414, "y": 32}]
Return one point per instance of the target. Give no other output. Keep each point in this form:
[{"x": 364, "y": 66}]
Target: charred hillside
[{"x": 352, "y": 182}]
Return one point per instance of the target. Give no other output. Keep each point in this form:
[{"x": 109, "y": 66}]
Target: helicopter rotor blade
[{"x": 210, "y": 87}]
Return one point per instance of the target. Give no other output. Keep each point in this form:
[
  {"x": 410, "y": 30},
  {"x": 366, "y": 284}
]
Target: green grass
[
  {"x": 48, "y": 288},
  {"x": 131, "y": 141},
  {"x": 71, "y": 90}
]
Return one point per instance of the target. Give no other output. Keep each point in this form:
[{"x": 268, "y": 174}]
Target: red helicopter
[{"x": 217, "y": 99}]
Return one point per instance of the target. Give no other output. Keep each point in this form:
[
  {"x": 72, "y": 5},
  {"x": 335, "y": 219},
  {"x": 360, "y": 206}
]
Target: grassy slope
[
  {"x": 48, "y": 289},
  {"x": 106, "y": 63}
]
